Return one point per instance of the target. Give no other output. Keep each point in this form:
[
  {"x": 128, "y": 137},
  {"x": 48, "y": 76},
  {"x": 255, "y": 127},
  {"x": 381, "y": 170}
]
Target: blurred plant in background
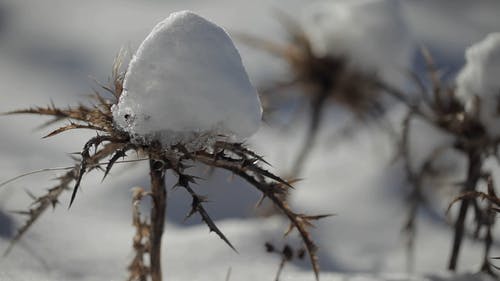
[
  {"x": 329, "y": 66},
  {"x": 440, "y": 107}
]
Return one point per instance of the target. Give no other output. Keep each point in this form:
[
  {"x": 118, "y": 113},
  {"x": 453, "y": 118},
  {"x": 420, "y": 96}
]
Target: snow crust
[
  {"x": 480, "y": 77},
  {"x": 186, "y": 84},
  {"x": 372, "y": 33}
]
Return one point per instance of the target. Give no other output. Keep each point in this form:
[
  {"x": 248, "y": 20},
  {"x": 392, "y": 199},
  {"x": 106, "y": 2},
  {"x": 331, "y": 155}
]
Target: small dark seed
[
  {"x": 287, "y": 252},
  {"x": 269, "y": 247},
  {"x": 301, "y": 253}
]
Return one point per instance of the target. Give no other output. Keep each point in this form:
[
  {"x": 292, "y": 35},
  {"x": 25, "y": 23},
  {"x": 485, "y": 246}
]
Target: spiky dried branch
[
  {"x": 86, "y": 158},
  {"x": 40, "y": 204},
  {"x": 197, "y": 207},
  {"x": 138, "y": 269},
  {"x": 50, "y": 199},
  {"x": 119, "y": 153},
  {"x": 272, "y": 189},
  {"x": 484, "y": 217},
  {"x": 113, "y": 143}
]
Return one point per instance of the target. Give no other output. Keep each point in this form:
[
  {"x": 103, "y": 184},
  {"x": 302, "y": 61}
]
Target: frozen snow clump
[
  {"x": 372, "y": 33},
  {"x": 186, "y": 84},
  {"x": 480, "y": 77}
]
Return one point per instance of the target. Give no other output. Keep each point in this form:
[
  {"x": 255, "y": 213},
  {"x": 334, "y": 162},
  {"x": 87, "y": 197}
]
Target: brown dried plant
[
  {"x": 138, "y": 268},
  {"x": 287, "y": 254},
  {"x": 328, "y": 79},
  {"x": 113, "y": 144},
  {"x": 439, "y": 107},
  {"x": 321, "y": 79}
]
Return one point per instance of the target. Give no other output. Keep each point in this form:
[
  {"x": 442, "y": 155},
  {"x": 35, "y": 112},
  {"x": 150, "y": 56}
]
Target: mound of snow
[
  {"x": 186, "y": 83},
  {"x": 481, "y": 77},
  {"x": 371, "y": 33}
]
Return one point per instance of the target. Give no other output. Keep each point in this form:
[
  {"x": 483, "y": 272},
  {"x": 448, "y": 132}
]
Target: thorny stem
[
  {"x": 414, "y": 198},
  {"x": 317, "y": 110},
  {"x": 272, "y": 192},
  {"x": 159, "y": 195},
  {"x": 411, "y": 230},
  {"x": 473, "y": 176},
  {"x": 137, "y": 268},
  {"x": 488, "y": 220},
  {"x": 280, "y": 268},
  {"x": 51, "y": 198},
  {"x": 488, "y": 241}
]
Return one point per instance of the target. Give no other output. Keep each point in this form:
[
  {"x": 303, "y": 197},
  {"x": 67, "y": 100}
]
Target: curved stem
[{"x": 313, "y": 130}]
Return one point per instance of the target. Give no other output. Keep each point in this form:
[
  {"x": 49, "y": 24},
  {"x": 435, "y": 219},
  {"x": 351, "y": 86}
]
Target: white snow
[
  {"x": 92, "y": 241},
  {"x": 480, "y": 78},
  {"x": 371, "y": 33},
  {"x": 186, "y": 83},
  {"x": 448, "y": 30},
  {"x": 437, "y": 144}
]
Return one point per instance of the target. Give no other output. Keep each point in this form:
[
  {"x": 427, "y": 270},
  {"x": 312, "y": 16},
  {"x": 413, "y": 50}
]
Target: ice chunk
[
  {"x": 186, "y": 83},
  {"x": 481, "y": 77}
]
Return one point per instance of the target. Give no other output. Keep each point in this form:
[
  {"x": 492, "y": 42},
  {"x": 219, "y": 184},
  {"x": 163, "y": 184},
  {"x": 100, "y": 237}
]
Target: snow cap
[
  {"x": 481, "y": 77},
  {"x": 372, "y": 33},
  {"x": 186, "y": 83}
]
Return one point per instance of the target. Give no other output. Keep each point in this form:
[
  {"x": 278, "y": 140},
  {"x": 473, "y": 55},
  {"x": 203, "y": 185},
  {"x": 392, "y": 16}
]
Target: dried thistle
[
  {"x": 113, "y": 144},
  {"x": 322, "y": 80},
  {"x": 440, "y": 108}
]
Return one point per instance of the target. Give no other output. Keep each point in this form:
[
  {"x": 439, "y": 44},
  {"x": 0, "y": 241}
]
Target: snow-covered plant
[
  {"x": 185, "y": 98},
  {"x": 442, "y": 106},
  {"x": 321, "y": 79},
  {"x": 478, "y": 85},
  {"x": 193, "y": 94},
  {"x": 373, "y": 34},
  {"x": 339, "y": 54}
]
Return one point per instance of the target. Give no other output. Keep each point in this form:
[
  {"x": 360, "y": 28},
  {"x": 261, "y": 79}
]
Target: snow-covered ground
[{"x": 49, "y": 48}]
